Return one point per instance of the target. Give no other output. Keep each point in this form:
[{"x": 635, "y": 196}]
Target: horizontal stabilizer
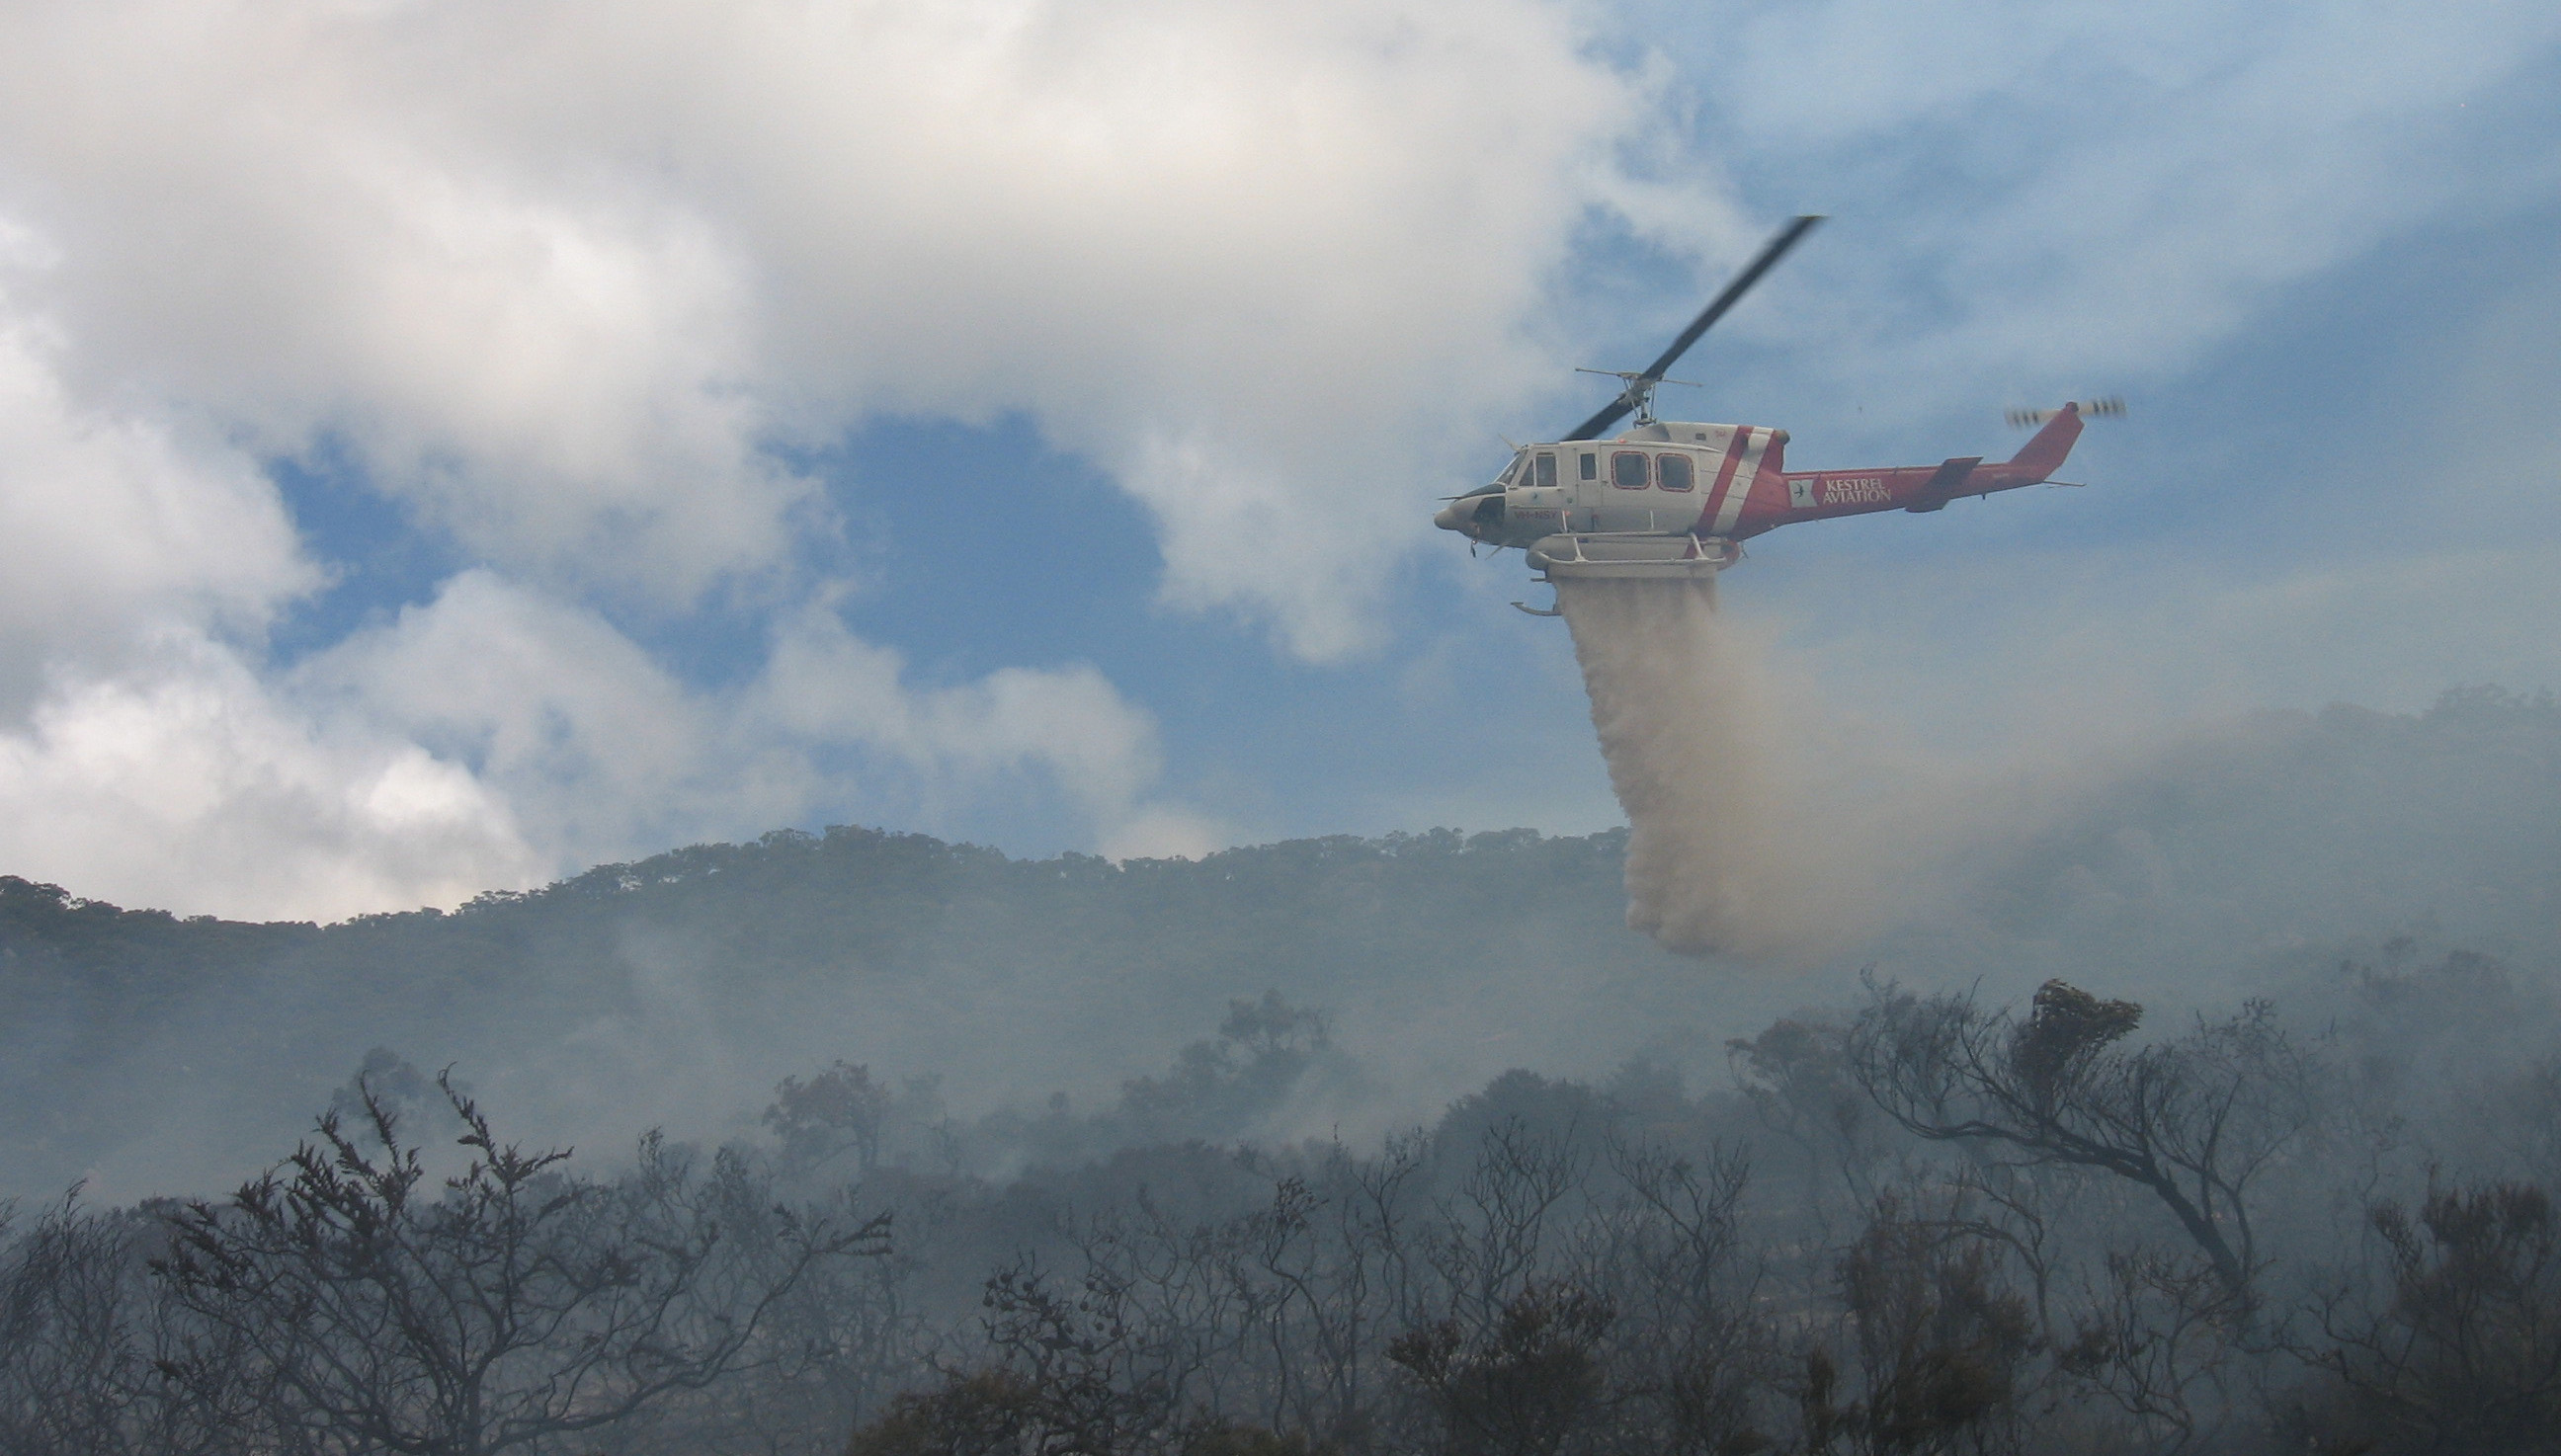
[{"x": 1945, "y": 485}]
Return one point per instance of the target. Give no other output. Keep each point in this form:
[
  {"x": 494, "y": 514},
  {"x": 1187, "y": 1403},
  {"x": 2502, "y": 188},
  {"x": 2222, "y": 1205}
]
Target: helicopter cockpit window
[
  {"x": 1674, "y": 471},
  {"x": 1628, "y": 470},
  {"x": 1546, "y": 471},
  {"x": 1591, "y": 466}
]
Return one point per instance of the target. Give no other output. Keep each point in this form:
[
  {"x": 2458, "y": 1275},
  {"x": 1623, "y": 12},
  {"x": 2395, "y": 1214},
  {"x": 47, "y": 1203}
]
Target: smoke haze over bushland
[
  {"x": 158, "y": 1053},
  {"x": 2328, "y": 936}
]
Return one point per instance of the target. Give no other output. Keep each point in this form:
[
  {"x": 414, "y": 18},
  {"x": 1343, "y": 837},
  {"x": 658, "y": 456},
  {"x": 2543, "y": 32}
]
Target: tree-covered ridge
[
  {"x": 799, "y": 932},
  {"x": 766, "y": 918},
  {"x": 863, "y": 887},
  {"x": 656, "y": 991},
  {"x": 2471, "y": 787}
]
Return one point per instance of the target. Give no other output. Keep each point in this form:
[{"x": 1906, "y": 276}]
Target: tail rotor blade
[{"x": 2106, "y": 407}]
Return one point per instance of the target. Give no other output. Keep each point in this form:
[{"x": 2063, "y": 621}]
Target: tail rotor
[{"x": 2110, "y": 407}]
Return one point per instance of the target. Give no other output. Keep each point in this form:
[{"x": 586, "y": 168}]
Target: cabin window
[
  {"x": 1674, "y": 471},
  {"x": 1628, "y": 470},
  {"x": 1546, "y": 471},
  {"x": 1591, "y": 466}
]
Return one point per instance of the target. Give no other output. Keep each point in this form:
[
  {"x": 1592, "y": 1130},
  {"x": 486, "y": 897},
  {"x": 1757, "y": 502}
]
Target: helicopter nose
[{"x": 1470, "y": 515}]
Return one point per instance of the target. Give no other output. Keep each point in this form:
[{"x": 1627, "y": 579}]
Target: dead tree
[
  {"x": 515, "y": 1303},
  {"x": 2154, "y": 1330},
  {"x": 2194, "y": 1121},
  {"x": 1941, "y": 1343},
  {"x": 1505, "y": 1345},
  {"x": 1333, "y": 1257},
  {"x": 1519, "y": 1384},
  {"x": 1798, "y": 1077},
  {"x": 74, "y": 1377},
  {"x": 2463, "y": 1351},
  {"x": 1689, "y": 1347}
]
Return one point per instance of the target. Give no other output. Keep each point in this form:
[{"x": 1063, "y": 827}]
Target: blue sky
[{"x": 445, "y": 445}]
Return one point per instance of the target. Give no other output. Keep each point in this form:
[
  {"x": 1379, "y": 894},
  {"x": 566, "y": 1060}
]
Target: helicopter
[{"x": 1668, "y": 499}]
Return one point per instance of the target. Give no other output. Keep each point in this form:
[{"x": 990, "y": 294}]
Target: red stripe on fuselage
[{"x": 1736, "y": 448}]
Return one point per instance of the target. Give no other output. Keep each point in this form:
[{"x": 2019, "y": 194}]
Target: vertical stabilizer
[{"x": 2044, "y": 454}]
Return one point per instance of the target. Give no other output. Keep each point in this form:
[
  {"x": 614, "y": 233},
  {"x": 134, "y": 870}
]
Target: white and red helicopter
[{"x": 1673, "y": 499}]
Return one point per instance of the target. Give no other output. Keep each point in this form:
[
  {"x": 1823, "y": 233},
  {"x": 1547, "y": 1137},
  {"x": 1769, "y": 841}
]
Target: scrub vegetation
[
  {"x": 2021, "y": 1185},
  {"x": 1921, "y": 1223}
]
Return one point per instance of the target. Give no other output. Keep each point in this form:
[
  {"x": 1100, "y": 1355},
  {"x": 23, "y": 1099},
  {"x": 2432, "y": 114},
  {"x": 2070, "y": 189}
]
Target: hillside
[{"x": 160, "y": 1053}]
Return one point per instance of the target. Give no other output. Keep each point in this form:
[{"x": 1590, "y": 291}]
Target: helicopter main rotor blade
[
  {"x": 1775, "y": 250},
  {"x": 1734, "y": 291}
]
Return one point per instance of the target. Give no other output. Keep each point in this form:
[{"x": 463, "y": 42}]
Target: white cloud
[
  {"x": 2040, "y": 197},
  {"x": 114, "y": 525},
  {"x": 180, "y": 782},
  {"x": 496, "y": 737},
  {"x": 593, "y": 746},
  {"x": 601, "y": 754},
  {"x": 561, "y": 274},
  {"x": 825, "y": 687}
]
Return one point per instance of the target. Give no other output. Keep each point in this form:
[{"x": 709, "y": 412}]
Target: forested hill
[
  {"x": 891, "y": 906},
  {"x": 166, "y": 1052},
  {"x": 689, "y": 982}
]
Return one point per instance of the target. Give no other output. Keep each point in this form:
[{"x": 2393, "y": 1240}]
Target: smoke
[{"x": 1722, "y": 852}]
